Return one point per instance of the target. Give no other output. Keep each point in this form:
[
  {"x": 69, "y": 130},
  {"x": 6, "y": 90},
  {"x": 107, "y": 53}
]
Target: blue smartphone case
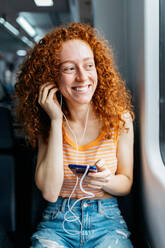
[{"x": 82, "y": 168}]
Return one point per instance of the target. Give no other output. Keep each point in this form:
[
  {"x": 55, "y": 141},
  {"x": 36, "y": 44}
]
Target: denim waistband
[{"x": 62, "y": 203}]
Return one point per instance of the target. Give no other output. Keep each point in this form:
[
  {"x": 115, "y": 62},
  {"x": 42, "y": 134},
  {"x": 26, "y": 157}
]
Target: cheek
[
  {"x": 66, "y": 80},
  {"x": 94, "y": 75},
  {"x": 64, "y": 86}
]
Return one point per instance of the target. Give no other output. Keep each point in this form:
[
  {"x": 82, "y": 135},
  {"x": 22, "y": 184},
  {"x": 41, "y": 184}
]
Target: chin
[
  {"x": 79, "y": 100},
  {"x": 84, "y": 101}
]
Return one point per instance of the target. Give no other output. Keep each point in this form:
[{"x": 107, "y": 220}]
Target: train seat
[{"x": 7, "y": 192}]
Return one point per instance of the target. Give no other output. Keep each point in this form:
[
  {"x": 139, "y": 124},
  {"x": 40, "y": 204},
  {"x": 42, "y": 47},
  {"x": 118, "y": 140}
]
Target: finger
[
  {"x": 100, "y": 183},
  {"x": 52, "y": 95},
  {"x": 94, "y": 186},
  {"x": 100, "y": 165},
  {"x": 45, "y": 85},
  {"x": 90, "y": 179},
  {"x": 41, "y": 88},
  {"x": 100, "y": 175},
  {"x": 41, "y": 92},
  {"x": 45, "y": 93}
]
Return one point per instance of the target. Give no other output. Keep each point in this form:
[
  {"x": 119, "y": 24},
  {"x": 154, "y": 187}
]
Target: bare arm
[
  {"x": 49, "y": 172},
  {"x": 120, "y": 183}
]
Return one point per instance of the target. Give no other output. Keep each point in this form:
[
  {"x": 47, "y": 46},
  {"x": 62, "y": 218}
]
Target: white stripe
[
  {"x": 105, "y": 154},
  {"x": 101, "y": 149},
  {"x": 73, "y": 151},
  {"x": 86, "y": 161},
  {"x": 77, "y": 191}
]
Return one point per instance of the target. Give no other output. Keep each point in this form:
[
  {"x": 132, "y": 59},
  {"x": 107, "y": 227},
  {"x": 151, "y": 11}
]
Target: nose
[{"x": 81, "y": 74}]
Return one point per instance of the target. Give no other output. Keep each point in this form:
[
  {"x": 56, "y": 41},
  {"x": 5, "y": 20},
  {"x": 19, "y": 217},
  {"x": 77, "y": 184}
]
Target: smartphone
[{"x": 81, "y": 168}]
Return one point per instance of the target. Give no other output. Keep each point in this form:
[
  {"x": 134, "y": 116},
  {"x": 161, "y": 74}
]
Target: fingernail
[{"x": 100, "y": 163}]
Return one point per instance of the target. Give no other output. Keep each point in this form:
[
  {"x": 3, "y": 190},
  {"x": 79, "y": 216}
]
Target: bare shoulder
[
  {"x": 125, "y": 146},
  {"x": 127, "y": 122},
  {"x": 126, "y": 133}
]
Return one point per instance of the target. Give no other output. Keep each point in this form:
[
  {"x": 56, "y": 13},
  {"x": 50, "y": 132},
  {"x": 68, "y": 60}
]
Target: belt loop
[
  {"x": 99, "y": 207},
  {"x": 63, "y": 204}
]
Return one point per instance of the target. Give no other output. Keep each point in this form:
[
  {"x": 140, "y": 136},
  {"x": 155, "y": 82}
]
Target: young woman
[{"x": 73, "y": 102}]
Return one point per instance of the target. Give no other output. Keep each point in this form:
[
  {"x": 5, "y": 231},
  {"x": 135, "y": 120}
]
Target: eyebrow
[{"x": 71, "y": 61}]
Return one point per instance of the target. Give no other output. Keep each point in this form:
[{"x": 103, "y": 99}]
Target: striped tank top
[{"x": 100, "y": 148}]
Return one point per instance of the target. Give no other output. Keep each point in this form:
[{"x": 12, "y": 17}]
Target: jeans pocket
[{"x": 49, "y": 215}]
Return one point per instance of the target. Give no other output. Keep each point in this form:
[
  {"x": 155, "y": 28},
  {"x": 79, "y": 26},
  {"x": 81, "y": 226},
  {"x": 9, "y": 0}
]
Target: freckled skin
[{"x": 77, "y": 70}]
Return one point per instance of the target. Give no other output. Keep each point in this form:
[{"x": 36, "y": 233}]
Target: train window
[{"x": 162, "y": 78}]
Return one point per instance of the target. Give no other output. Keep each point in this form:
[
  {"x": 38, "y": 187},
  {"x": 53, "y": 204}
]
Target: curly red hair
[{"x": 42, "y": 64}]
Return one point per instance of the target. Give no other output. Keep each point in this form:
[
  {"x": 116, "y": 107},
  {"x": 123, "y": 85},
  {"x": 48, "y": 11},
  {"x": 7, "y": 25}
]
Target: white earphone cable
[{"x": 90, "y": 194}]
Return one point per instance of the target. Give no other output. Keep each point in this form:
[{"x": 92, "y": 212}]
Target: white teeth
[{"x": 82, "y": 89}]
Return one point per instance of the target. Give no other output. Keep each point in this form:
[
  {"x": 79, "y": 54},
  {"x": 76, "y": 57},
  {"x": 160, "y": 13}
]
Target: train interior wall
[{"x": 122, "y": 22}]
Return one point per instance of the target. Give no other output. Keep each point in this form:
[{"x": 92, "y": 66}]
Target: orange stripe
[
  {"x": 88, "y": 161},
  {"x": 86, "y": 154},
  {"x": 101, "y": 145},
  {"x": 100, "y": 152}
]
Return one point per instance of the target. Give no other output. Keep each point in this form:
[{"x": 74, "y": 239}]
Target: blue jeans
[{"x": 92, "y": 224}]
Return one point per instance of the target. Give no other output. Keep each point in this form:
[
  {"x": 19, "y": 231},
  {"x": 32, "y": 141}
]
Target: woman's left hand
[{"x": 99, "y": 179}]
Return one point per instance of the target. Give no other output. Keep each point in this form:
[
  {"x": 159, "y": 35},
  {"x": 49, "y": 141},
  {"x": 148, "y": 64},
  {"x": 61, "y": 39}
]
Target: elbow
[
  {"x": 50, "y": 197},
  {"x": 123, "y": 192},
  {"x": 48, "y": 194},
  {"x": 127, "y": 190},
  {"x": 128, "y": 185}
]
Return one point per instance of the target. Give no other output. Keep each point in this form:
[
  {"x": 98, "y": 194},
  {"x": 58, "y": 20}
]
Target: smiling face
[{"x": 78, "y": 75}]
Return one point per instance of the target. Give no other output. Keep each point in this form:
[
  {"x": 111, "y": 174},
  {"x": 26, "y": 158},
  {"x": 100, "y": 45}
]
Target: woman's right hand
[{"x": 48, "y": 101}]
